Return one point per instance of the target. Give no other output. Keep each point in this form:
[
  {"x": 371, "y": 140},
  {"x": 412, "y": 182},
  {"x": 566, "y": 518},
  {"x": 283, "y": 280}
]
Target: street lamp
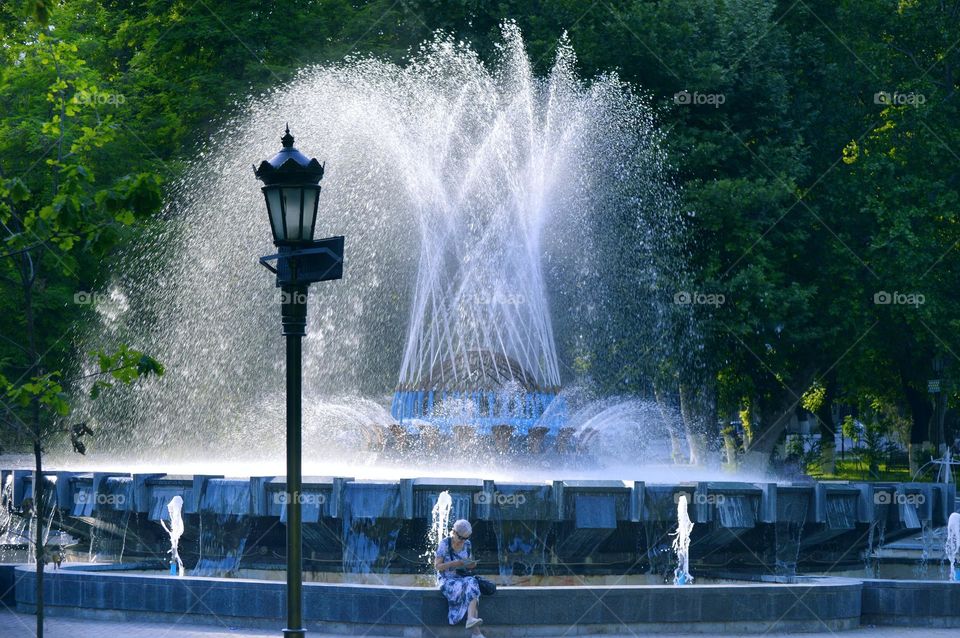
[
  {"x": 291, "y": 188},
  {"x": 939, "y": 392}
]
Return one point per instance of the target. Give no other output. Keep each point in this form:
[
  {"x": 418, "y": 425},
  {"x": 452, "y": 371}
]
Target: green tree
[{"x": 52, "y": 207}]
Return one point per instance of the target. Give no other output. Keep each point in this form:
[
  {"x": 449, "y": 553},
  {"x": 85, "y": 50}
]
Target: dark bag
[{"x": 487, "y": 587}]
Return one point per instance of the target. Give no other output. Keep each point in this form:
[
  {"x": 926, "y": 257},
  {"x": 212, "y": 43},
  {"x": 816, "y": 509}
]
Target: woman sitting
[{"x": 461, "y": 591}]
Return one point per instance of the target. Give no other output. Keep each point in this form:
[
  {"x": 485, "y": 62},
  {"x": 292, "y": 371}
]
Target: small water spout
[
  {"x": 440, "y": 518},
  {"x": 175, "y": 509},
  {"x": 6, "y": 507},
  {"x": 440, "y": 524},
  {"x": 681, "y": 543},
  {"x": 951, "y": 549}
]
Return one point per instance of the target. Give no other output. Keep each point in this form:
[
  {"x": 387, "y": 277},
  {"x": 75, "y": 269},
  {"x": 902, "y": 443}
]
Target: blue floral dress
[{"x": 459, "y": 591}]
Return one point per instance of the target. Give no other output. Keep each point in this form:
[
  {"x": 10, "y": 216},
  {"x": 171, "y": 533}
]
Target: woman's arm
[{"x": 440, "y": 565}]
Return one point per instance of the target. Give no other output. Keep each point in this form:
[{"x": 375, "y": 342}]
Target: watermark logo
[
  {"x": 100, "y": 99},
  {"x": 495, "y": 298},
  {"x": 699, "y": 498},
  {"x": 686, "y": 98},
  {"x": 499, "y": 498},
  {"x": 895, "y": 298},
  {"x": 305, "y": 498},
  {"x": 86, "y": 498},
  {"x": 296, "y": 297},
  {"x": 685, "y": 298},
  {"x": 85, "y": 298},
  {"x": 886, "y": 497},
  {"x": 899, "y": 99}
]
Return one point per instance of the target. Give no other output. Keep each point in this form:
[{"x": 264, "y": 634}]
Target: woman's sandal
[{"x": 474, "y": 622}]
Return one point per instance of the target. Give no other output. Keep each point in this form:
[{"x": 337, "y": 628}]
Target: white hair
[{"x": 462, "y": 527}]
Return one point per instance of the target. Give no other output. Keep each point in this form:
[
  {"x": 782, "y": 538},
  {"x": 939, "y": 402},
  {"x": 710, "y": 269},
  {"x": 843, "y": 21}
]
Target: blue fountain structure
[
  {"x": 480, "y": 348},
  {"x": 522, "y": 413}
]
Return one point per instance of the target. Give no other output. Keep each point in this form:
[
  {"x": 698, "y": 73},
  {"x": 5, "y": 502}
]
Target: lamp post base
[{"x": 294, "y": 633}]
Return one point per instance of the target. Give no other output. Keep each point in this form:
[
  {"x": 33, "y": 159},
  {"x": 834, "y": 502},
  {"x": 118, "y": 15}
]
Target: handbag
[{"x": 487, "y": 586}]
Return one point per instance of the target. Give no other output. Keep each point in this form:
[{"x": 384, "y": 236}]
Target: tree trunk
[
  {"x": 774, "y": 416},
  {"x": 921, "y": 412},
  {"x": 828, "y": 429},
  {"x": 39, "y": 540},
  {"x": 774, "y": 419},
  {"x": 670, "y": 422},
  {"x": 773, "y": 422},
  {"x": 28, "y": 275},
  {"x": 730, "y": 445},
  {"x": 698, "y": 407}
]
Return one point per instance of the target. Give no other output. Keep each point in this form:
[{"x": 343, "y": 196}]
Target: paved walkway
[{"x": 13, "y": 625}]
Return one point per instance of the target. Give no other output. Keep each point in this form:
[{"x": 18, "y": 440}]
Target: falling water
[
  {"x": 681, "y": 543},
  {"x": 484, "y": 209},
  {"x": 440, "y": 523},
  {"x": 921, "y": 569},
  {"x": 440, "y": 517},
  {"x": 175, "y": 510},
  {"x": 6, "y": 506},
  {"x": 11, "y": 527},
  {"x": 951, "y": 548}
]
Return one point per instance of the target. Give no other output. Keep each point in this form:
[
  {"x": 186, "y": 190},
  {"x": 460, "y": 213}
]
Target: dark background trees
[{"x": 816, "y": 150}]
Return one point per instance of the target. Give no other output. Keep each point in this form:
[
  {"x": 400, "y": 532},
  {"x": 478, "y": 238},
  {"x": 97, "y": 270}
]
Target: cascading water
[
  {"x": 12, "y": 530},
  {"x": 439, "y": 524},
  {"x": 175, "y": 531},
  {"x": 681, "y": 543},
  {"x": 440, "y": 518},
  {"x": 478, "y": 205},
  {"x": 951, "y": 548}
]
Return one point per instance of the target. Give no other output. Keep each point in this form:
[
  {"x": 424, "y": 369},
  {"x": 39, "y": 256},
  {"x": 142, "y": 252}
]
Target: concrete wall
[
  {"x": 409, "y": 611},
  {"x": 7, "y": 584},
  {"x": 911, "y": 602}
]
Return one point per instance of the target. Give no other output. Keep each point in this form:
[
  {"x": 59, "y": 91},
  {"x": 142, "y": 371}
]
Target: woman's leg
[
  {"x": 472, "y": 609},
  {"x": 472, "y": 613}
]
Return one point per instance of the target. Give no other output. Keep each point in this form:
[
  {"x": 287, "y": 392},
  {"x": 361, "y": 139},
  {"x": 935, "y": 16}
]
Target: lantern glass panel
[
  {"x": 293, "y": 213},
  {"x": 275, "y": 210},
  {"x": 309, "y": 211}
]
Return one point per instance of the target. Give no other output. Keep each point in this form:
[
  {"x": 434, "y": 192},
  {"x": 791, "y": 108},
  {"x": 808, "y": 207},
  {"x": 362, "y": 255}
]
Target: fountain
[
  {"x": 175, "y": 509},
  {"x": 448, "y": 374},
  {"x": 951, "y": 549},
  {"x": 478, "y": 203},
  {"x": 681, "y": 543}
]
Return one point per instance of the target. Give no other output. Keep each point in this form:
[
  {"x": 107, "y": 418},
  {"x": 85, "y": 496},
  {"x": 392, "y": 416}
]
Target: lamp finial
[{"x": 287, "y": 139}]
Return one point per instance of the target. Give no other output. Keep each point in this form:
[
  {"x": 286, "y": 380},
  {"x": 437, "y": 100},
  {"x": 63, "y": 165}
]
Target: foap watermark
[
  {"x": 85, "y": 298},
  {"x": 685, "y": 298},
  {"x": 295, "y": 297},
  {"x": 499, "y": 498},
  {"x": 695, "y": 98},
  {"x": 495, "y": 298},
  {"x": 305, "y": 498},
  {"x": 85, "y": 498},
  {"x": 699, "y": 498},
  {"x": 896, "y": 298},
  {"x": 887, "y": 497},
  {"x": 100, "y": 99},
  {"x": 899, "y": 99}
]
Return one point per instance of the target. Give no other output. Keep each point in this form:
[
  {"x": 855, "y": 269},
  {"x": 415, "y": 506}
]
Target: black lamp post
[
  {"x": 291, "y": 189},
  {"x": 939, "y": 434}
]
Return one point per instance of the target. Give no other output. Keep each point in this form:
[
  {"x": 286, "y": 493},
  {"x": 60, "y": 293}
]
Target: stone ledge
[{"x": 830, "y": 604}]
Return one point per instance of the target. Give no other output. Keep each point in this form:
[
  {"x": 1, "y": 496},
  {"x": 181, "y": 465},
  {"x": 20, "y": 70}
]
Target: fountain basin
[
  {"x": 562, "y": 527},
  {"x": 917, "y": 603},
  {"x": 829, "y": 605}
]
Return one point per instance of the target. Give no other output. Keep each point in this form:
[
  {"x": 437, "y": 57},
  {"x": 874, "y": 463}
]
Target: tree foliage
[{"x": 815, "y": 145}]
